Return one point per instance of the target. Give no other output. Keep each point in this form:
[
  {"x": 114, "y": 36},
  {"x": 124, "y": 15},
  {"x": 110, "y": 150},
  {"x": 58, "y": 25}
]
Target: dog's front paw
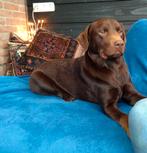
[
  {"x": 127, "y": 131},
  {"x": 124, "y": 124}
]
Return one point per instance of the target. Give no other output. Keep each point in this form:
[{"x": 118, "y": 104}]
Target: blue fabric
[
  {"x": 31, "y": 123},
  {"x": 136, "y": 54}
]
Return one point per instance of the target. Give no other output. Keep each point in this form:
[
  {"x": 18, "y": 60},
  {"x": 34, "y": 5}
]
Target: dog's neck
[{"x": 96, "y": 61}]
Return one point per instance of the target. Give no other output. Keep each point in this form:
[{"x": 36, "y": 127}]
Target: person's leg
[{"x": 138, "y": 126}]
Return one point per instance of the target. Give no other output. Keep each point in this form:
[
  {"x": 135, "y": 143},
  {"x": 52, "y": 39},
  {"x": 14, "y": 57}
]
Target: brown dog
[{"x": 100, "y": 76}]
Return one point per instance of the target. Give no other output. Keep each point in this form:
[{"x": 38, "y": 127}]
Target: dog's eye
[
  {"x": 103, "y": 31},
  {"x": 120, "y": 32},
  {"x": 118, "y": 29}
]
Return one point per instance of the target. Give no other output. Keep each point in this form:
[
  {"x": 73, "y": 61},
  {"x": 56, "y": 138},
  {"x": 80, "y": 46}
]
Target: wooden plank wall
[{"x": 72, "y": 16}]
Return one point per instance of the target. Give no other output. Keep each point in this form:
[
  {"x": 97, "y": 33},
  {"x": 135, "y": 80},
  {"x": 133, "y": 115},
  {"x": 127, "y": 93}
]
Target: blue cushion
[
  {"x": 136, "y": 54},
  {"x": 31, "y": 123}
]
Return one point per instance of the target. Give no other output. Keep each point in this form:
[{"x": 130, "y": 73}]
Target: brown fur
[{"x": 99, "y": 76}]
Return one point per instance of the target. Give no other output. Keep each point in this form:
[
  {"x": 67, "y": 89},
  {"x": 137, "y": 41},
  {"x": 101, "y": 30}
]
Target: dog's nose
[{"x": 119, "y": 43}]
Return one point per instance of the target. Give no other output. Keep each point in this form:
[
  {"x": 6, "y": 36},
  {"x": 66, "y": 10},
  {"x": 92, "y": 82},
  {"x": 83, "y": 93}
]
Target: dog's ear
[
  {"x": 83, "y": 38},
  {"x": 83, "y": 43},
  {"x": 89, "y": 34}
]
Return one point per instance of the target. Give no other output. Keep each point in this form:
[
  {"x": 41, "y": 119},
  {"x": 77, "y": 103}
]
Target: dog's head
[{"x": 106, "y": 38}]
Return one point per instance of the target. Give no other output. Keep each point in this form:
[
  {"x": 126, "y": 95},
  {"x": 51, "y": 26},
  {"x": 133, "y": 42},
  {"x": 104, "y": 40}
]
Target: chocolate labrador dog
[{"x": 99, "y": 76}]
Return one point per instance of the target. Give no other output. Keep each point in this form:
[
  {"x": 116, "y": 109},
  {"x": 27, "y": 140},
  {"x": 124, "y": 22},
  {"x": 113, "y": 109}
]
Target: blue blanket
[{"x": 31, "y": 123}]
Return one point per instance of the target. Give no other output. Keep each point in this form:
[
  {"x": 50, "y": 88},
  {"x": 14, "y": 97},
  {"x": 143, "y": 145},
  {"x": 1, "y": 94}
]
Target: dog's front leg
[
  {"x": 130, "y": 94},
  {"x": 120, "y": 117}
]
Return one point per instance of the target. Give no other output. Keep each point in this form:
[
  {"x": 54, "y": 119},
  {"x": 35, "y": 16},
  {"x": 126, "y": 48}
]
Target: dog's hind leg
[
  {"x": 42, "y": 84},
  {"x": 39, "y": 83}
]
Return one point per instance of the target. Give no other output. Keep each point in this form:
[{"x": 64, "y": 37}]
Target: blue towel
[{"x": 31, "y": 123}]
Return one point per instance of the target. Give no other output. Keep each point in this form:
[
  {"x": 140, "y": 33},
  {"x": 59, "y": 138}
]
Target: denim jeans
[{"x": 138, "y": 126}]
